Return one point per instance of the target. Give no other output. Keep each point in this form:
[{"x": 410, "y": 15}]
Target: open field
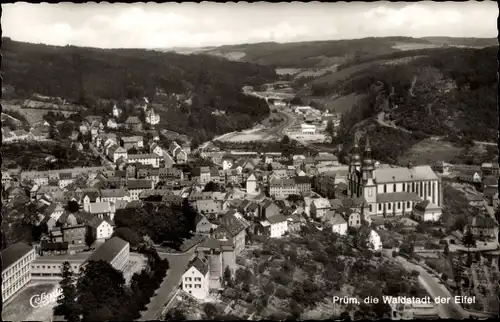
[
  {"x": 430, "y": 151},
  {"x": 20, "y": 309},
  {"x": 32, "y": 115},
  {"x": 256, "y": 134},
  {"x": 415, "y": 46},
  {"x": 346, "y": 72}
]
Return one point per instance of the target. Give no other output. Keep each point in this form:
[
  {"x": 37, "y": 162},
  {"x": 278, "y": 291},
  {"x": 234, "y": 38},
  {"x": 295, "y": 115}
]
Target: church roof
[{"x": 403, "y": 174}]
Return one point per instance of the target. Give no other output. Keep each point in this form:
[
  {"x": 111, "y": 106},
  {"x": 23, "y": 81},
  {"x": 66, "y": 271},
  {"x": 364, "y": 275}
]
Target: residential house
[
  {"x": 117, "y": 111},
  {"x": 303, "y": 185},
  {"x": 490, "y": 186},
  {"x": 488, "y": 169},
  {"x": 469, "y": 176},
  {"x": 268, "y": 209},
  {"x": 203, "y": 225},
  {"x": 319, "y": 207},
  {"x": 179, "y": 155},
  {"x": 116, "y": 152},
  {"x": 282, "y": 188},
  {"x": 220, "y": 254},
  {"x": 136, "y": 186},
  {"x": 65, "y": 179},
  {"x": 337, "y": 222},
  {"x": 353, "y": 218},
  {"x": 156, "y": 149},
  {"x": 196, "y": 280},
  {"x": 233, "y": 228},
  {"x": 130, "y": 142},
  {"x": 100, "y": 229},
  {"x": 326, "y": 159},
  {"x": 151, "y": 159},
  {"x": 295, "y": 222},
  {"x": 113, "y": 195},
  {"x": 112, "y": 124},
  {"x": 133, "y": 123},
  {"x": 102, "y": 209},
  {"x": 484, "y": 226},
  {"x": 278, "y": 226},
  {"x": 208, "y": 206}
]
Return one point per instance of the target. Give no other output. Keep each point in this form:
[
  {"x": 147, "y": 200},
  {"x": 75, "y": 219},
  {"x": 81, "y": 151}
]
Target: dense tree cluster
[
  {"x": 467, "y": 111},
  {"x": 99, "y": 292},
  {"x": 161, "y": 222},
  {"x": 33, "y": 156}
]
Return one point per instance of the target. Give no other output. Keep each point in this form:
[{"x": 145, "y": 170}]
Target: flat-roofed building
[
  {"x": 16, "y": 268},
  {"x": 50, "y": 267}
]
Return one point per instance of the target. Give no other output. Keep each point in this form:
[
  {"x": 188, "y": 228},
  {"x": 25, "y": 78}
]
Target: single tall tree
[{"x": 66, "y": 303}]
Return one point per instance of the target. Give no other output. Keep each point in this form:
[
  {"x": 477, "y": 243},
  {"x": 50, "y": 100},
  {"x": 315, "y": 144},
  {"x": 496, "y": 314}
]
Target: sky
[{"x": 168, "y": 25}]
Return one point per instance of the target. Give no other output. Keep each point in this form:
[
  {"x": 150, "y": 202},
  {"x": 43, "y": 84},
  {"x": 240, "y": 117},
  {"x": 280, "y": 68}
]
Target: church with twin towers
[{"x": 393, "y": 191}]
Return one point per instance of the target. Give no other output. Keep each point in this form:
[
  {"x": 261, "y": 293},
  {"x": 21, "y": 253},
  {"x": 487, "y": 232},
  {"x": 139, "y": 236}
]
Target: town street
[
  {"x": 435, "y": 289},
  {"x": 178, "y": 264}
]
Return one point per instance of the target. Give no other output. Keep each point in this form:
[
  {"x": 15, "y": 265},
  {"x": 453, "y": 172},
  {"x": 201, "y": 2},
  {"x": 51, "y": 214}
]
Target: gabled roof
[
  {"x": 100, "y": 207},
  {"x": 233, "y": 222},
  {"x": 279, "y": 218},
  {"x": 321, "y": 203},
  {"x": 133, "y": 120},
  {"x": 114, "y": 193},
  {"x": 108, "y": 251},
  {"x": 337, "y": 220},
  {"x": 139, "y": 184},
  {"x": 200, "y": 265}
]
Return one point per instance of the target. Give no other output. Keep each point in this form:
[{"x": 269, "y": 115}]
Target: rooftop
[
  {"x": 13, "y": 253},
  {"x": 108, "y": 251},
  {"x": 402, "y": 174}
]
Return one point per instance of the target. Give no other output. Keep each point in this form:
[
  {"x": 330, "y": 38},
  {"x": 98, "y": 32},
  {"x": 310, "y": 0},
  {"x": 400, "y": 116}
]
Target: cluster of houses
[
  {"x": 485, "y": 177},
  {"x": 38, "y": 132}
]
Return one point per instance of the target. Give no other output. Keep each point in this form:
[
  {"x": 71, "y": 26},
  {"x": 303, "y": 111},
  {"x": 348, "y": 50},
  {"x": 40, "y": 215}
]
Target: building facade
[
  {"x": 16, "y": 270},
  {"x": 394, "y": 190}
]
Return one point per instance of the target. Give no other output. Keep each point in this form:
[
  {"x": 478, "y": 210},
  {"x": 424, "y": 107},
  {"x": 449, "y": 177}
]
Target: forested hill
[
  {"x": 87, "y": 74},
  {"x": 317, "y": 54},
  {"x": 450, "y": 93}
]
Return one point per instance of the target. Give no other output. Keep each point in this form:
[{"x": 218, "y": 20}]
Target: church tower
[
  {"x": 369, "y": 186},
  {"x": 354, "y": 170}
]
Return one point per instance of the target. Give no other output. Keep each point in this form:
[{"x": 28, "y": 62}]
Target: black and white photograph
[{"x": 250, "y": 161}]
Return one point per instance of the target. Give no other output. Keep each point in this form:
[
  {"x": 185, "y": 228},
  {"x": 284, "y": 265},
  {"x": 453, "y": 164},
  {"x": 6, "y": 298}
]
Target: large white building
[
  {"x": 196, "y": 279},
  {"x": 16, "y": 268},
  {"x": 391, "y": 191},
  {"x": 308, "y": 128}
]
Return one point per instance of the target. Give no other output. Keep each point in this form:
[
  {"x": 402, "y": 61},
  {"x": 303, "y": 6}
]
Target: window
[
  {"x": 407, "y": 204},
  {"x": 394, "y": 188},
  {"x": 379, "y": 207},
  {"x": 197, "y": 285},
  {"x": 413, "y": 187},
  {"x": 399, "y": 205},
  {"x": 385, "y": 188},
  {"x": 389, "y": 206},
  {"x": 188, "y": 279}
]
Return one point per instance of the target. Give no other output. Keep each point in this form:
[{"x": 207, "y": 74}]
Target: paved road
[
  {"x": 178, "y": 265},
  {"x": 435, "y": 289}
]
